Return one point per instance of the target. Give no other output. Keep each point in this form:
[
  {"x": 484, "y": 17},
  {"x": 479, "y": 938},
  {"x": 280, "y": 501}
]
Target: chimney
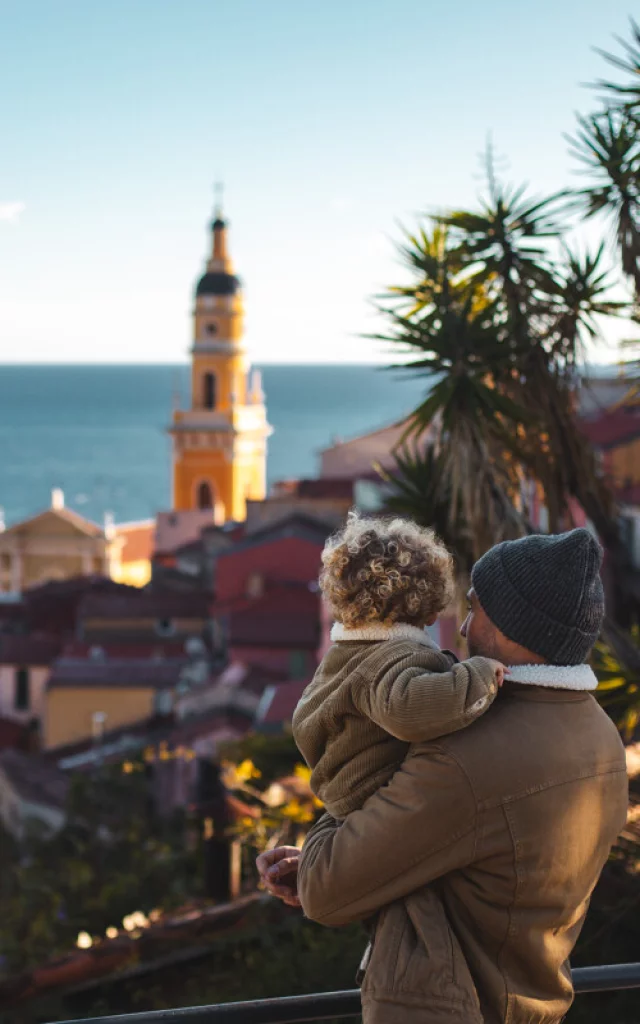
[
  {"x": 57, "y": 498},
  {"x": 109, "y": 526}
]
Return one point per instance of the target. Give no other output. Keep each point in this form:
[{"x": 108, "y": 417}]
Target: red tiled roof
[
  {"x": 612, "y": 429},
  {"x": 12, "y": 734},
  {"x": 281, "y": 702},
  {"x": 116, "y": 672},
  {"x": 286, "y": 617},
  {"x": 159, "y": 649},
  {"x": 52, "y": 606},
  {"x": 12, "y": 611},
  {"x": 28, "y": 648},
  {"x": 138, "y": 540},
  {"x": 147, "y": 604},
  {"x": 129, "y": 739},
  {"x": 322, "y": 487},
  {"x": 35, "y": 778}
]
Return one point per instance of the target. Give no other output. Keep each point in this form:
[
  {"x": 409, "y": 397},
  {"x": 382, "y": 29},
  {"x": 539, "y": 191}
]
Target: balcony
[{"x": 334, "y": 1005}]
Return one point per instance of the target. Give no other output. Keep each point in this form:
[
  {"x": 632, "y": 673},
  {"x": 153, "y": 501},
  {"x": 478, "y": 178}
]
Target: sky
[{"x": 331, "y": 124}]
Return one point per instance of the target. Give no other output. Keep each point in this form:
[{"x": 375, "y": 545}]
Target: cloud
[{"x": 11, "y": 212}]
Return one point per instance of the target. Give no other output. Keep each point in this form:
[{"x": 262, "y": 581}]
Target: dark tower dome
[{"x": 218, "y": 283}]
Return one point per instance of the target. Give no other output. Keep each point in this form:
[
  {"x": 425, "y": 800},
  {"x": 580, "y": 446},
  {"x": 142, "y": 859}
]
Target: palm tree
[
  {"x": 452, "y": 329},
  {"x": 504, "y": 248},
  {"x": 565, "y": 463},
  {"x": 626, "y": 95},
  {"x": 608, "y": 145},
  {"x": 616, "y": 661},
  {"x": 416, "y": 489},
  {"x": 500, "y": 325}
]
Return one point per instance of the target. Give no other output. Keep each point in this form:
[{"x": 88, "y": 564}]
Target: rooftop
[
  {"x": 157, "y": 674},
  {"x": 34, "y": 778},
  {"x": 28, "y": 648},
  {"x": 147, "y": 604},
  {"x": 284, "y": 616}
]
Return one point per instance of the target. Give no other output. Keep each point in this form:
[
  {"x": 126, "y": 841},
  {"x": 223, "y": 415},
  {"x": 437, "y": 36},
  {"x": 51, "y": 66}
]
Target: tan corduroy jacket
[
  {"x": 510, "y": 822},
  {"x": 376, "y": 691}
]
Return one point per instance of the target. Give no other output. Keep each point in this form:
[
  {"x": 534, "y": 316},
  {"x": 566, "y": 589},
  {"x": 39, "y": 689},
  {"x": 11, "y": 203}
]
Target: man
[{"x": 511, "y": 819}]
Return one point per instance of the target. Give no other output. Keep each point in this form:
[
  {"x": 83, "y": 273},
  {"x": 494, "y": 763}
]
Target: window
[
  {"x": 209, "y": 396},
  {"x": 22, "y": 694},
  {"x": 212, "y": 330},
  {"x": 165, "y": 627},
  {"x": 205, "y": 496}
]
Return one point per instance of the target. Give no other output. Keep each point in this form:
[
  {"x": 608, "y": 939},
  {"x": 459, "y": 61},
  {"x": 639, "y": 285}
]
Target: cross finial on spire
[{"x": 218, "y": 190}]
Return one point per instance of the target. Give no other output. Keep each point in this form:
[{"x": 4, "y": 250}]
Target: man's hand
[{"x": 278, "y": 870}]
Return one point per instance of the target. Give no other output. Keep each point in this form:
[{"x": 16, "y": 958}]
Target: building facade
[
  {"x": 57, "y": 544},
  {"x": 219, "y": 443}
]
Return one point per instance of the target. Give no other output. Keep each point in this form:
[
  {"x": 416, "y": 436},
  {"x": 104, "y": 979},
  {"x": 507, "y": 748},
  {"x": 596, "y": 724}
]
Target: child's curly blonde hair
[{"x": 386, "y": 570}]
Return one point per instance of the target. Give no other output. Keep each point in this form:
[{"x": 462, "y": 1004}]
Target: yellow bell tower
[{"x": 220, "y": 443}]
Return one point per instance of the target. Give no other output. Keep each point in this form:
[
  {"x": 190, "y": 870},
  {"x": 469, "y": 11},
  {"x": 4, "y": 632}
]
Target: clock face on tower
[{"x": 212, "y": 329}]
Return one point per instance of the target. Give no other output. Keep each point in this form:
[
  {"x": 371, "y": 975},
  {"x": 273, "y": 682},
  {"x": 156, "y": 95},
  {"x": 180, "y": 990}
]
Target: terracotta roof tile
[
  {"x": 116, "y": 672},
  {"x": 107, "y": 651},
  {"x": 286, "y": 617},
  {"x": 138, "y": 540},
  {"x": 280, "y": 702},
  {"x": 28, "y": 648},
  {"x": 154, "y": 604},
  {"x": 613, "y": 428},
  {"x": 34, "y": 778},
  {"x": 12, "y": 734}
]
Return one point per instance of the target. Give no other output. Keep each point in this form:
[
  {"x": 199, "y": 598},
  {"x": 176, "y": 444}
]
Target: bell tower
[{"x": 220, "y": 442}]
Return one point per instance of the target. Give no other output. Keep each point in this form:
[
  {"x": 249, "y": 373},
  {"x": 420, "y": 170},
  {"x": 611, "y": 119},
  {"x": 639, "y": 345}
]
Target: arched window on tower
[
  {"x": 209, "y": 384},
  {"x": 205, "y": 495}
]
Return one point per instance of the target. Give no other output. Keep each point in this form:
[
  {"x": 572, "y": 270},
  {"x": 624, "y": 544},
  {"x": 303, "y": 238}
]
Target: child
[{"x": 382, "y": 685}]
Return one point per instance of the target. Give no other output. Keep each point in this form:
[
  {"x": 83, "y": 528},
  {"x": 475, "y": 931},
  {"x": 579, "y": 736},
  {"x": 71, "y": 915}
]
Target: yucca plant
[
  {"x": 607, "y": 144},
  {"x": 616, "y": 662},
  {"x": 626, "y": 94},
  {"x": 449, "y": 326}
]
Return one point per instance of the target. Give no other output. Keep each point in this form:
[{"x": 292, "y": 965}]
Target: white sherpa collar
[
  {"x": 376, "y": 631},
  {"x": 557, "y": 677}
]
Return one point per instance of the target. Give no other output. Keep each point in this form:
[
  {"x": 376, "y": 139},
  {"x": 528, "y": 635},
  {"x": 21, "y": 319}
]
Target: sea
[{"x": 99, "y": 432}]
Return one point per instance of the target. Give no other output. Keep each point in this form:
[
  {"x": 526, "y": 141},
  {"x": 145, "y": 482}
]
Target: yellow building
[
  {"x": 134, "y": 542},
  {"x": 219, "y": 443},
  {"x": 57, "y": 544}
]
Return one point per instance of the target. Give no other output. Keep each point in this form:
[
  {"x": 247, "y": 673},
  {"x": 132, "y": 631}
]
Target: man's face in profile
[{"x": 478, "y": 630}]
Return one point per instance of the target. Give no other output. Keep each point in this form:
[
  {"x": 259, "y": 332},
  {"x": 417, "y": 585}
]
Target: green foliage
[
  {"x": 498, "y": 313},
  {"x": 617, "y": 666},
  {"x": 273, "y": 756},
  {"x": 114, "y": 856},
  {"x": 279, "y": 954}
]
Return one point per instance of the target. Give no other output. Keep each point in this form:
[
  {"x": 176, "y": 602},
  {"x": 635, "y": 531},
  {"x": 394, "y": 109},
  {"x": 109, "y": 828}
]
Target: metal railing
[{"x": 330, "y": 1005}]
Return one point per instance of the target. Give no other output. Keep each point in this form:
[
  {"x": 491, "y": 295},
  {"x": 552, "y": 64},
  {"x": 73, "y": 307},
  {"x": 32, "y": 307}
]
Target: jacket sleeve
[
  {"x": 419, "y": 827},
  {"x": 416, "y": 706}
]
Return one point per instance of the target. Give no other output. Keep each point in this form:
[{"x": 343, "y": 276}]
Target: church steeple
[
  {"x": 219, "y": 279},
  {"x": 219, "y": 253},
  {"x": 219, "y": 443}
]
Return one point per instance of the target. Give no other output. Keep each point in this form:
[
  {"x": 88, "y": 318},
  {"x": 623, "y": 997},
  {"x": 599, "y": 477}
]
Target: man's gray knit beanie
[{"x": 545, "y": 593}]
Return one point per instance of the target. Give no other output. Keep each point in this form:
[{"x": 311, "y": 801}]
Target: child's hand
[{"x": 500, "y": 671}]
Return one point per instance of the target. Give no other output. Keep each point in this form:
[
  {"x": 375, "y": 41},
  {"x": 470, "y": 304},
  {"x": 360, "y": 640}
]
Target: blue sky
[{"x": 329, "y": 123}]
